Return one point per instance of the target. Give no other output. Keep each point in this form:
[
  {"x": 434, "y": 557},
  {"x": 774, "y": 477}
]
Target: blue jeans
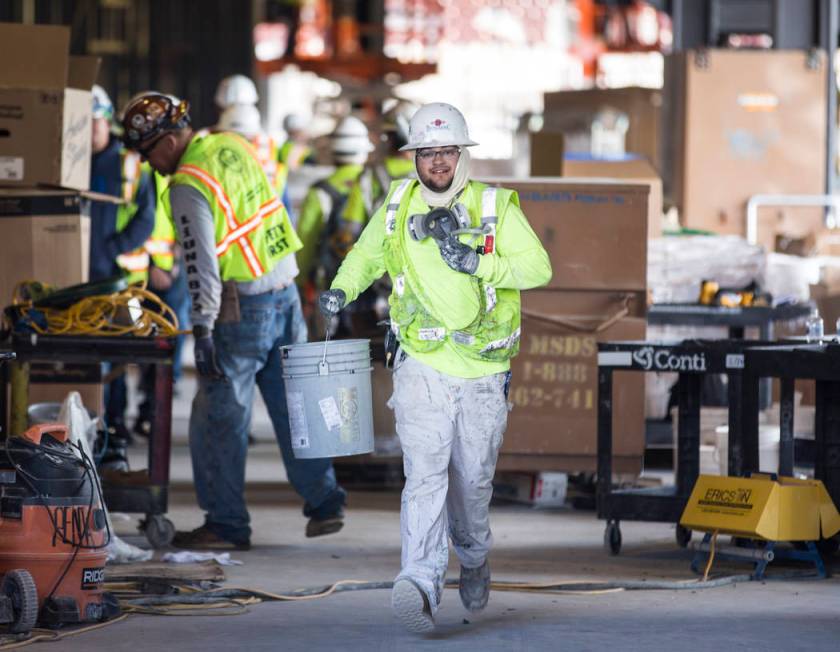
[{"x": 248, "y": 353}]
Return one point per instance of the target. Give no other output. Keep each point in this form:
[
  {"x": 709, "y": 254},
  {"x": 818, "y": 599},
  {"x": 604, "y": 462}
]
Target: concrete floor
[{"x": 530, "y": 545}]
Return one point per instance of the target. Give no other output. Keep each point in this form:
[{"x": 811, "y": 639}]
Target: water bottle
[{"x": 814, "y": 327}]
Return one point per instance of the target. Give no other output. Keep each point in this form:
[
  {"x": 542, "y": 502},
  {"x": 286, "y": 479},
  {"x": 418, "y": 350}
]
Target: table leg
[
  {"x": 605, "y": 426},
  {"x": 786, "y": 427},
  {"x": 160, "y": 439},
  {"x": 734, "y": 462},
  {"x": 688, "y": 434},
  {"x": 744, "y": 453},
  {"x": 827, "y": 435}
]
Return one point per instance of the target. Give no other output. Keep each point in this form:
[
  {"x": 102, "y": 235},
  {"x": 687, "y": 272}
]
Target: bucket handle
[{"x": 56, "y": 430}]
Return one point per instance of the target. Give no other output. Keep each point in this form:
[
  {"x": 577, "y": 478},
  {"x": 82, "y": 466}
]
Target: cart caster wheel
[
  {"x": 159, "y": 530},
  {"x": 19, "y": 587},
  {"x": 683, "y": 536},
  {"x": 612, "y": 538}
]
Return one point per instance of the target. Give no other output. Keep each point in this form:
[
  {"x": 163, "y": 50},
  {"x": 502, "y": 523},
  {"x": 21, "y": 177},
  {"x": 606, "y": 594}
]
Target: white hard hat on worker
[
  {"x": 350, "y": 142},
  {"x": 242, "y": 118},
  {"x": 236, "y": 89},
  {"x": 437, "y": 125}
]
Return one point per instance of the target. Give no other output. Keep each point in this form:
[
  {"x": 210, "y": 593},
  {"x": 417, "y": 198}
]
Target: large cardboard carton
[
  {"x": 745, "y": 123},
  {"x": 44, "y": 236},
  {"x": 45, "y": 108},
  {"x": 595, "y": 231},
  {"x": 554, "y": 383},
  {"x": 546, "y": 154},
  {"x": 633, "y": 169},
  {"x": 563, "y": 109}
]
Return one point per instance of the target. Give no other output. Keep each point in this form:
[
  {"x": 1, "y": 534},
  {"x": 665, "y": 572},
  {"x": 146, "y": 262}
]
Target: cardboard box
[
  {"x": 633, "y": 169},
  {"x": 641, "y": 105},
  {"x": 52, "y": 382},
  {"x": 46, "y": 236},
  {"x": 45, "y": 108},
  {"x": 543, "y": 489},
  {"x": 744, "y": 123},
  {"x": 546, "y": 154},
  {"x": 595, "y": 232},
  {"x": 554, "y": 387}
]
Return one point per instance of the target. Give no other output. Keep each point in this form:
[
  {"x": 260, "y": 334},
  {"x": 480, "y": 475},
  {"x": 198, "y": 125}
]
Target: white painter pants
[{"x": 450, "y": 430}]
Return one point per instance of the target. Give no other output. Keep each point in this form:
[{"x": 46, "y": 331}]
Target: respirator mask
[{"x": 442, "y": 223}]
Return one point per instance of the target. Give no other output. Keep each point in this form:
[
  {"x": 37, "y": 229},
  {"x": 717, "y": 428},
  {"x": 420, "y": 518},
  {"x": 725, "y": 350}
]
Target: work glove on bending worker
[
  {"x": 331, "y": 302},
  {"x": 460, "y": 257},
  {"x": 205, "y": 354}
]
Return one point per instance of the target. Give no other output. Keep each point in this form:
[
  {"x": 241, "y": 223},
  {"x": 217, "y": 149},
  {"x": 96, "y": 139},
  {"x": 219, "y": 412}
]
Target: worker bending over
[
  {"x": 458, "y": 252},
  {"x": 238, "y": 245}
]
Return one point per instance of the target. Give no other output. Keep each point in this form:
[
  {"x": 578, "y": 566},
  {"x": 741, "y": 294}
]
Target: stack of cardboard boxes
[
  {"x": 45, "y": 151},
  {"x": 595, "y": 233}
]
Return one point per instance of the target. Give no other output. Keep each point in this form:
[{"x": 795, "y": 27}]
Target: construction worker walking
[
  {"x": 237, "y": 243},
  {"x": 458, "y": 252}
]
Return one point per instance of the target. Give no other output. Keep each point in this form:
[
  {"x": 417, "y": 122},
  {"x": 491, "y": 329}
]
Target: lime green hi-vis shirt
[{"x": 519, "y": 262}]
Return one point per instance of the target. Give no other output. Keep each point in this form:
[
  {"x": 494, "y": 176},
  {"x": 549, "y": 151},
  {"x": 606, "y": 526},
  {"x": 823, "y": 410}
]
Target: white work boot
[
  {"x": 411, "y": 607},
  {"x": 474, "y": 587}
]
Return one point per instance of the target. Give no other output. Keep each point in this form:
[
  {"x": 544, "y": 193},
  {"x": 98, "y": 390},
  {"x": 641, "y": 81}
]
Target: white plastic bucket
[{"x": 329, "y": 398}]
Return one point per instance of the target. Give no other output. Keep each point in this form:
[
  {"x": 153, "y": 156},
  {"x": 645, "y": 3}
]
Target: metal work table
[
  {"x": 691, "y": 359},
  {"x": 144, "y": 492},
  {"x": 820, "y": 362},
  {"x": 736, "y": 319}
]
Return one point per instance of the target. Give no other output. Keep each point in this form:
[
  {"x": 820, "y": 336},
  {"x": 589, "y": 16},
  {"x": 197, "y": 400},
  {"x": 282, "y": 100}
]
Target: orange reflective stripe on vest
[
  {"x": 251, "y": 224},
  {"x": 233, "y": 225}
]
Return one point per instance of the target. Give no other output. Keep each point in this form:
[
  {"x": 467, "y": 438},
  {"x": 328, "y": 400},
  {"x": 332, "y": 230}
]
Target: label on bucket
[
  {"x": 329, "y": 410},
  {"x": 297, "y": 420},
  {"x": 348, "y": 399}
]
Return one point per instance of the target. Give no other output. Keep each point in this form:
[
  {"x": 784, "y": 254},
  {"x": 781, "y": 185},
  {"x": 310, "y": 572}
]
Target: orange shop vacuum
[{"x": 53, "y": 533}]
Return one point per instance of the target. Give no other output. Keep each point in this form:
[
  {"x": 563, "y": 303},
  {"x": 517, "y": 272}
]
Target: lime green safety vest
[
  {"x": 161, "y": 244},
  {"x": 488, "y": 329},
  {"x": 253, "y": 231},
  {"x": 293, "y": 154},
  {"x": 135, "y": 263}
]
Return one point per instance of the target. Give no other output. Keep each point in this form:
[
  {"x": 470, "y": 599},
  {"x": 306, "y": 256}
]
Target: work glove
[
  {"x": 460, "y": 257},
  {"x": 205, "y": 354},
  {"x": 331, "y": 302}
]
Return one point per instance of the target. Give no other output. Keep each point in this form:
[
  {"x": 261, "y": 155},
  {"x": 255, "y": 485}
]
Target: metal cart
[
  {"x": 820, "y": 362},
  {"x": 144, "y": 492},
  {"x": 691, "y": 359}
]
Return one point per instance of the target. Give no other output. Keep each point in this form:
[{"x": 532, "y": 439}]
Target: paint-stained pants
[{"x": 450, "y": 430}]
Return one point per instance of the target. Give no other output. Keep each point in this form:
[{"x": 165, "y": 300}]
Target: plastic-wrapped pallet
[{"x": 677, "y": 265}]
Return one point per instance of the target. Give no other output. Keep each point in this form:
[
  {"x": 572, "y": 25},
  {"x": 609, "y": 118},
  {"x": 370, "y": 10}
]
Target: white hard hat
[
  {"x": 437, "y": 125},
  {"x": 236, "y": 89},
  {"x": 102, "y": 105},
  {"x": 294, "y": 122},
  {"x": 396, "y": 116},
  {"x": 350, "y": 142},
  {"x": 242, "y": 118}
]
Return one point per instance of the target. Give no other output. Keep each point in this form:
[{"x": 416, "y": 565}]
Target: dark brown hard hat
[{"x": 150, "y": 115}]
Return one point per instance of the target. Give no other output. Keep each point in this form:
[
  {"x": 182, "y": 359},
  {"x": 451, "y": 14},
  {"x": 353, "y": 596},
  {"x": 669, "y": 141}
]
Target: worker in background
[
  {"x": 296, "y": 150},
  {"x": 237, "y": 243},
  {"x": 364, "y": 198},
  {"x": 325, "y": 233},
  {"x": 455, "y": 313},
  {"x": 117, "y": 232},
  {"x": 236, "y": 89}
]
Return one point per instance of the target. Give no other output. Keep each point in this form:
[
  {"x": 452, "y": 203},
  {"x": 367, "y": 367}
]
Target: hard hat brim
[{"x": 412, "y": 146}]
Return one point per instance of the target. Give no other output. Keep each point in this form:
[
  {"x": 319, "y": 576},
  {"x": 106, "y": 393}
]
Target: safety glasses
[
  {"x": 446, "y": 153},
  {"x": 146, "y": 151}
]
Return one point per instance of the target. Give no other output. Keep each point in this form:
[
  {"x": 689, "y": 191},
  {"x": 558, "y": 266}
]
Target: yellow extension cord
[{"x": 105, "y": 315}]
